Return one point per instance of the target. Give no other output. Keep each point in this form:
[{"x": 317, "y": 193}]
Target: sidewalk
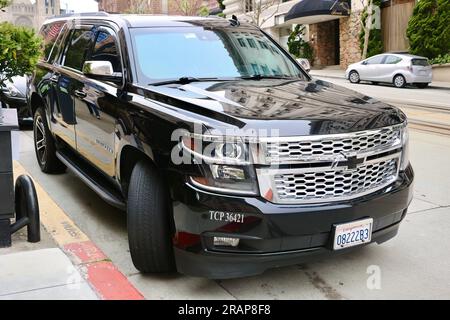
[
  {"x": 64, "y": 265},
  {"x": 340, "y": 74}
]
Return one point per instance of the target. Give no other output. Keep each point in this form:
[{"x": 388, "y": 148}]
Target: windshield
[{"x": 176, "y": 52}]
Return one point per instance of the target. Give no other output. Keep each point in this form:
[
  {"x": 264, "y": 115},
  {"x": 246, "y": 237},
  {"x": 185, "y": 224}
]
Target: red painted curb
[
  {"x": 85, "y": 252},
  {"x": 103, "y": 276},
  {"x": 110, "y": 283}
]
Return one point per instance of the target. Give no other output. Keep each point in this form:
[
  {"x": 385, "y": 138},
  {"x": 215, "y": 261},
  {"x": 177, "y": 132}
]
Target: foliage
[
  {"x": 375, "y": 42},
  {"x": 441, "y": 59},
  {"x": 20, "y": 49},
  {"x": 299, "y": 47},
  {"x": 203, "y": 11},
  {"x": 4, "y": 3},
  {"x": 429, "y": 28}
]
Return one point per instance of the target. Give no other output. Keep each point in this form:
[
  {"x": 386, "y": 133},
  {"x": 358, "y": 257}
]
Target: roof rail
[{"x": 83, "y": 14}]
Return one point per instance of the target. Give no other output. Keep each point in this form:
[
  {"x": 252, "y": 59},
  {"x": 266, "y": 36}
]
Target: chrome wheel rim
[
  {"x": 354, "y": 77},
  {"x": 40, "y": 141},
  {"x": 399, "y": 82}
]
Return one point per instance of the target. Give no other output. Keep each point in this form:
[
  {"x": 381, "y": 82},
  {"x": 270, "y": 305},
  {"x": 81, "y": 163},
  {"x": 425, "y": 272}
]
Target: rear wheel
[
  {"x": 44, "y": 145},
  {"x": 399, "y": 81},
  {"x": 148, "y": 214},
  {"x": 422, "y": 85},
  {"x": 354, "y": 77}
]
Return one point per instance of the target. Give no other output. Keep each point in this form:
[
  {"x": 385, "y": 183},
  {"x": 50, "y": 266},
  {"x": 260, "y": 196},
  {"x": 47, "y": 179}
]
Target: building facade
[
  {"x": 334, "y": 36},
  {"x": 169, "y": 7},
  {"x": 30, "y": 13}
]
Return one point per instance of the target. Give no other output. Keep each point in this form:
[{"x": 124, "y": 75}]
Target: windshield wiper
[
  {"x": 182, "y": 80},
  {"x": 262, "y": 76}
]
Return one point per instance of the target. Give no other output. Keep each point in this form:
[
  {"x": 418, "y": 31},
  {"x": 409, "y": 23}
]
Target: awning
[{"x": 315, "y": 11}]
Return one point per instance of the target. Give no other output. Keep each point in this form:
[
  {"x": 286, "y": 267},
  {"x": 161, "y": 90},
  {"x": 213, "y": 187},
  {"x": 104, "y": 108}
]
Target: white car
[{"x": 398, "y": 69}]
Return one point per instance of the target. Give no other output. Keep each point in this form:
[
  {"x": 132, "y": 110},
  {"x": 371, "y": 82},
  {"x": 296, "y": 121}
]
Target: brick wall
[{"x": 350, "y": 28}]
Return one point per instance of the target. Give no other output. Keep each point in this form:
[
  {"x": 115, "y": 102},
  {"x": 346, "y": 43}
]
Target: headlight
[
  {"x": 405, "y": 149},
  {"x": 225, "y": 164},
  {"x": 11, "y": 90}
]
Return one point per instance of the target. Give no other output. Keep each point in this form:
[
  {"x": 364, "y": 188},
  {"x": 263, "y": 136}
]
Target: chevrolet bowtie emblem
[{"x": 351, "y": 162}]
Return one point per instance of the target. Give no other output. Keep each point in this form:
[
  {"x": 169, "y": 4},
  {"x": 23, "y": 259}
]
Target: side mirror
[
  {"x": 101, "y": 70},
  {"x": 364, "y": 62}
]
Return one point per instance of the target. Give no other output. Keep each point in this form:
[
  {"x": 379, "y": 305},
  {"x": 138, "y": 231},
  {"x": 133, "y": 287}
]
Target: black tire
[
  {"x": 353, "y": 77},
  {"x": 399, "y": 81},
  {"x": 149, "y": 221},
  {"x": 422, "y": 85},
  {"x": 44, "y": 145}
]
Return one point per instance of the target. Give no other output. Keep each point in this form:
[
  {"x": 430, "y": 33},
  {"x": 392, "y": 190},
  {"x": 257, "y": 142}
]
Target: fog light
[{"x": 225, "y": 241}]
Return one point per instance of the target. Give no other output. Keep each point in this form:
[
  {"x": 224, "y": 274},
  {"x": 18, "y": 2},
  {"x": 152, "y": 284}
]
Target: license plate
[{"x": 352, "y": 234}]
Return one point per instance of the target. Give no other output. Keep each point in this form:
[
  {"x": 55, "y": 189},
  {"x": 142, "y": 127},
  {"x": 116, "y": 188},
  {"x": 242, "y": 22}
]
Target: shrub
[
  {"x": 429, "y": 28},
  {"x": 441, "y": 59},
  {"x": 20, "y": 50},
  {"x": 299, "y": 47}
]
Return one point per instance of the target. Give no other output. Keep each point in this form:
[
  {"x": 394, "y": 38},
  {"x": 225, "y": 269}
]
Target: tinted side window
[
  {"x": 375, "y": 60},
  {"x": 49, "y": 34},
  {"x": 392, "y": 60},
  {"x": 77, "y": 48},
  {"x": 106, "y": 49}
]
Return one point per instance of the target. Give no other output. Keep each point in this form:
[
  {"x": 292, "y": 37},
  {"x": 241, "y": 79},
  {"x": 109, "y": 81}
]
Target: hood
[{"x": 291, "y": 106}]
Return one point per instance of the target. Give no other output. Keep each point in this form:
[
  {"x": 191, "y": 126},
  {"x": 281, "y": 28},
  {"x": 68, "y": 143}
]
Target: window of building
[
  {"x": 248, "y": 5},
  {"x": 77, "y": 49},
  {"x": 252, "y": 43},
  {"x": 242, "y": 43}
]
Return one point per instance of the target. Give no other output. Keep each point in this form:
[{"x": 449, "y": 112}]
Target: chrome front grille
[
  {"x": 312, "y": 185},
  {"x": 326, "y": 168},
  {"x": 307, "y": 149}
]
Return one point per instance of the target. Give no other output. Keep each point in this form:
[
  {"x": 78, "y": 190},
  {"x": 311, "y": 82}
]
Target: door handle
[
  {"x": 54, "y": 78},
  {"x": 80, "y": 93}
]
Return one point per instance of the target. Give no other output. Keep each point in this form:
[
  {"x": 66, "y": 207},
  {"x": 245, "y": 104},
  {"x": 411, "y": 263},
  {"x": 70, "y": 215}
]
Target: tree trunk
[{"x": 367, "y": 28}]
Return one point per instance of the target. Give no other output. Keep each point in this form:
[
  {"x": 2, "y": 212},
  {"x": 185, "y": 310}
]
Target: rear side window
[
  {"x": 392, "y": 60},
  {"x": 77, "y": 48},
  {"x": 420, "y": 62},
  {"x": 49, "y": 34},
  {"x": 106, "y": 49}
]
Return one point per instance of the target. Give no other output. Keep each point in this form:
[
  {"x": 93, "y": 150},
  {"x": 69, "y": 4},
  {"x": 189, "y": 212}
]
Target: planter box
[{"x": 441, "y": 72}]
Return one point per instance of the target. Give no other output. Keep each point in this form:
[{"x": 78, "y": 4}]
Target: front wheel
[
  {"x": 399, "y": 81},
  {"x": 149, "y": 227},
  {"x": 44, "y": 145},
  {"x": 354, "y": 77}
]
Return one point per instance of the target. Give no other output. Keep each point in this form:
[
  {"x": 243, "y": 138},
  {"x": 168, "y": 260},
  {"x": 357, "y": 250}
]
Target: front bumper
[{"x": 274, "y": 235}]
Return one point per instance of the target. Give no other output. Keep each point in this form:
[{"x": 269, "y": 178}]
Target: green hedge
[{"x": 429, "y": 28}]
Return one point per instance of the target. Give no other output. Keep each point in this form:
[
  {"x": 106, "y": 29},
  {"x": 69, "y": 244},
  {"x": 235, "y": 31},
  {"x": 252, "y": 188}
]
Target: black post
[{"x": 8, "y": 122}]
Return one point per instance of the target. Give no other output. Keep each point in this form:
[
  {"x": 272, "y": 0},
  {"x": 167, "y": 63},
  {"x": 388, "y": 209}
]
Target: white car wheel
[
  {"x": 399, "y": 81},
  {"x": 354, "y": 77}
]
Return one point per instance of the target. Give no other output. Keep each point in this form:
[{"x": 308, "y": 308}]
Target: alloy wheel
[
  {"x": 399, "y": 81},
  {"x": 354, "y": 77},
  {"x": 40, "y": 140}
]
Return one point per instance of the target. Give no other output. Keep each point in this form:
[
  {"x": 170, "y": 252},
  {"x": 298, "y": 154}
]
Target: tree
[
  {"x": 140, "y": 6},
  {"x": 189, "y": 7},
  {"x": 20, "y": 49},
  {"x": 4, "y": 4},
  {"x": 370, "y": 38},
  {"x": 299, "y": 47},
  {"x": 429, "y": 28},
  {"x": 256, "y": 8}
]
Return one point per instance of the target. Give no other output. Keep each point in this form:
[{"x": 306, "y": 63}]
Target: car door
[
  {"x": 372, "y": 68},
  {"x": 68, "y": 83},
  {"x": 389, "y": 67},
  {"x": 96, "y": 110}
]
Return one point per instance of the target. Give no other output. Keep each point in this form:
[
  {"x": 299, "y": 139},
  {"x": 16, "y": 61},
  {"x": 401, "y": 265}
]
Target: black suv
[{"x": 227, "y": 157}]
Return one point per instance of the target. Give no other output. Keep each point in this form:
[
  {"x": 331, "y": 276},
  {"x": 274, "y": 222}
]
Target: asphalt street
[{"x": 414, "y": 265}]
